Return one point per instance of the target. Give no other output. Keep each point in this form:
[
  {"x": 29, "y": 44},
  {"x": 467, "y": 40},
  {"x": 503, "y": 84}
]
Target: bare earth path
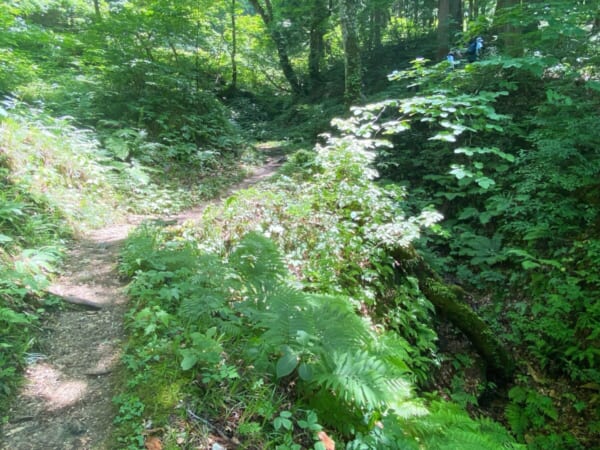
[{"x": 66, "y": 401}]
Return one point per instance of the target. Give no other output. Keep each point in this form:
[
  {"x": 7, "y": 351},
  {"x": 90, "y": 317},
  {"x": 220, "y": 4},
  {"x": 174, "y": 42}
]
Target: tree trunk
[
  {"x": 509, "y": 35},
  {"x": 97, "y": 8},
  {"x": 233, "y": 48},
  {"x": 456, "y": 19},
  {"x": 352, "y": 62},
  {"x": 443, "y": 41},
  {"x": 449, "y": 24},
  {"x": 448, "y": 301},
  {"x": 266, "y": 14},
  {"x": 378, "y": 18},
  {"x": 320, "y": 14},
  {"x": 472, "y": 10}
]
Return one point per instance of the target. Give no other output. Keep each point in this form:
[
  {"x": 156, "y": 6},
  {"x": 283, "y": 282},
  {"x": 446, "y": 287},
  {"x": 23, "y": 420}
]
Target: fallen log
[{"x": 449, "y": 302}]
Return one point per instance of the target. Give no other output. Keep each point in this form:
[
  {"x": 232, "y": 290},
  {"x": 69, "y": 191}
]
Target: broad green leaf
[
  {"x": 528, "y": 265},
  {"x": 460, "y": 172},
  {"x": 305, "y": 372},
  {"x": 286, "y": 364},
  {"x": 189, "y": 359},
  {"x": 485, "y": 182},
  {"x": 444, "y": 136}
]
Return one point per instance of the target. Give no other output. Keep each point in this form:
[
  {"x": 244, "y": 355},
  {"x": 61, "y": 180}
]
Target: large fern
[
  {"x": 360, "y": 379},
  {"x": 321, "y": 335},
  {"x": 258, "y": 262},
  {"x": 281, "y": 316},
  {"x": 448, "y": 427},
  {"x": 337, "y": 325},
  {"x": 145, "y": 250}
]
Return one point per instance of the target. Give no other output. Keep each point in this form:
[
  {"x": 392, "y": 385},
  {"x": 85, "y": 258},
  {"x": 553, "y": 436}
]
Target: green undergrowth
[
  {"x": 56, "y": 181},
  {"x": 31, "y": 248},
  {"x": 51, "y": 185},
  {"x": 280, "y": 316},
  {"x": 506, "y": 150},
  {"x": 59, "y": 163}
]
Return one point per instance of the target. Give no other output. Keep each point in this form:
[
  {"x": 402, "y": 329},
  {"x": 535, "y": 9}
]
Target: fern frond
[
  {"x": 210, "y": 271},
  {"x": 467, "y": 440},
  {"x": 258, "y": 261},
  {"x": 202, "y": 304},
  {"x": 359, "y": 379},
  {"x": 409, "y": 409},
  {"x": 393, "y": 349},
  {"x": 230, "y": 329},
  {"x": 173, "y": 259},
  {"x": 283, "y": 315},
  {"x": 516, "y": 419},
  {"x": 336, "y": 324}
]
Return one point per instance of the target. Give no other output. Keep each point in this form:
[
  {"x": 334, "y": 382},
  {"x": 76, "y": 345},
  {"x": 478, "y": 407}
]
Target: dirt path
[{"x": 66, "y": 401}]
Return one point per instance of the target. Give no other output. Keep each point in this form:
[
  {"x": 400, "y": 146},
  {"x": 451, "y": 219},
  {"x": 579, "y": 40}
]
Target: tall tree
[
  {"x": 506, "y": 26},
  {"x": 374, "y": 21},
  {"x": 449, "y": 24},
  {"x": 320, "y": 12},
  {"x": 233, "y": 46},
  {"x": 352, "y": 62},
  {"x": 443, "y": 41},
  {"x": 266, "y": 13},
  {"x": 97, "y": 8}
]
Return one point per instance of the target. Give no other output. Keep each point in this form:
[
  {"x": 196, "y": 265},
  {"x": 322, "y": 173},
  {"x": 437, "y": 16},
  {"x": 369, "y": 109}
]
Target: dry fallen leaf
[
  {"x": 326, "y": 440},
  {"x": 153, "y": 443}
]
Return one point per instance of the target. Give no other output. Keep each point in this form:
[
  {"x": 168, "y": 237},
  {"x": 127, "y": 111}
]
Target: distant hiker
[
  {"x": 474, "y": 49},
  {"x": 452, "y": 58}
]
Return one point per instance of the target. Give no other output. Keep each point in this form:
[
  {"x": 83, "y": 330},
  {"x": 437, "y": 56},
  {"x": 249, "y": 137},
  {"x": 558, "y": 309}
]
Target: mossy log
[{"x": 449, "y": 301}]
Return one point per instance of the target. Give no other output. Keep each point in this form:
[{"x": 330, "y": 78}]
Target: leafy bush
[
  {"x": 240, "y": 310},
  {"x": 519, "y": 197},
  {"x": 245, "y": 306}
]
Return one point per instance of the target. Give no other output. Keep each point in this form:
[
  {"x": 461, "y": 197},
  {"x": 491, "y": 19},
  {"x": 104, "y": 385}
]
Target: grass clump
[{"x": 61, "y": 164}]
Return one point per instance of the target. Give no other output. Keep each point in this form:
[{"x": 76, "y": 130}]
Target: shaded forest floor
[{"x": 66, "y": 399}]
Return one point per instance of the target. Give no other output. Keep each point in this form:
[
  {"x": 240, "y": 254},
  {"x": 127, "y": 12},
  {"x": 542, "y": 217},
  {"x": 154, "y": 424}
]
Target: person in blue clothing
[
  {"x": 475, "y": 49},
  {"x": 452, "y": 58}
]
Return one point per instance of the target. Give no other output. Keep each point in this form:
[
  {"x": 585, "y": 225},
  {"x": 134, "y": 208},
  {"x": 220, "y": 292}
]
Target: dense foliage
[
  {"x": 506, "y": 150},
  {"x": 222, "y": 301}
]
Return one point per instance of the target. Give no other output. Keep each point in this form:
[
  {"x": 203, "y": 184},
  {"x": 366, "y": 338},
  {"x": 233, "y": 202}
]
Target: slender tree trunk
[
  {"x": 443, "y": 30},
  {"x": 449, "y": 24},
  {"x": 97, "y": 8},
  {"x": 174, "y": 51},
  {"x": 234, "y": 73},
  {"x": 448, "y": 301},
  {"x": 508, "y": 34},
  {"x": 266, "y": 13},
  {"x": 352, "y": 62},
  {"x": 456, "y": 19},
  {"x": 318, "y": 22},
  {"x": 378, "y": 19},
  {"x": 145, "y": 44}
]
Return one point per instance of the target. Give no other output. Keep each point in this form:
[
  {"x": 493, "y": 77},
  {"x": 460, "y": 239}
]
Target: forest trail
[{"x": 66, "y": 400}]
